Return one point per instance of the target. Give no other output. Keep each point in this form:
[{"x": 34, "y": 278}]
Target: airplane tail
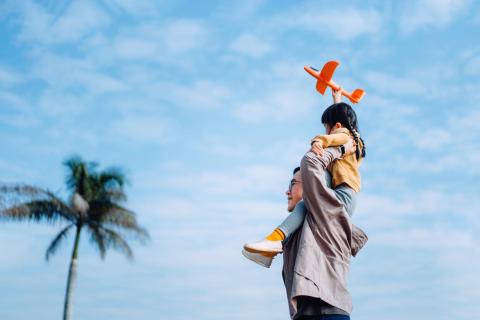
[{"x": 357, "y": 95}]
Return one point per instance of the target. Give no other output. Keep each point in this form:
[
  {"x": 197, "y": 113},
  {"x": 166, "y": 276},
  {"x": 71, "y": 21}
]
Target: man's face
[{"x": 295, "y": 191}]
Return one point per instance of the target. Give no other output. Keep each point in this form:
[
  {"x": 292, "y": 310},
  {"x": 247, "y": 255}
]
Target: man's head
[{"x": 295, "y": 190}]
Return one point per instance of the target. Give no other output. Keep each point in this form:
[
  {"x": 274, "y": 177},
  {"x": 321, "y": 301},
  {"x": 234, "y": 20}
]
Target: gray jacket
[{"x": 316, "y": 260}]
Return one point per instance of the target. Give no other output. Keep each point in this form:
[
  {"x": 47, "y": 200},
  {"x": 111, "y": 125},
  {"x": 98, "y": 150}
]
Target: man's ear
[{"x": 338, "y": 125}]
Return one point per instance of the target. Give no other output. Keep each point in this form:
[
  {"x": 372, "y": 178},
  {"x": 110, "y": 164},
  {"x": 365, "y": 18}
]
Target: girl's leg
[
  {"x": 348, "y": 197},
  {"x": 273, "y": 242},
  {"x": 293, "y": 221}
]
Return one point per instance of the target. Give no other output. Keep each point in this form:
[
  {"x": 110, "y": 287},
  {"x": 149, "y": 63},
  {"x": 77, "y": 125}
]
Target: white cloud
[
  {"x": 433, "y": 138},
  {"x": 278, "y": 104},
  {"x": 201, "y": 94},
  {"x": 471, "y": 61},
  {"x": 67, "y": 73},
  {"x": 134, "y": 7},
  {"x": 136, "y": 48},
  {"x": 79, "y": 19},
  {"x": 11, "y": 171},
  {"x": 281, "y": 96},
  {"x": 143, "y": 128},
  {"x": 388, "y": 212},
  {"x": 184, "y": 35},
  {"x": 394, "y": 84},
  {"x": 9, "y": 77},
  {"x": 432, "y": 238},
  {"x": 12, "y": 100},
  {"x": 244, "y": 10},
  {"x": 158, "y": 42},
  {"x": 426, "y": 81},
  {"x": 431, "y": 13},
  {"x": 250, "y": 45},
  {"x": 21, "y": 120},
  {"x": 342, "y": 24},
  {"x": 252, "y": 179}
]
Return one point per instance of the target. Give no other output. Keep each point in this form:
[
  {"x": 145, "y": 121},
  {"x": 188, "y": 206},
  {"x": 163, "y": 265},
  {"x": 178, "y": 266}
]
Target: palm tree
[{"x": 95, "y": 205}]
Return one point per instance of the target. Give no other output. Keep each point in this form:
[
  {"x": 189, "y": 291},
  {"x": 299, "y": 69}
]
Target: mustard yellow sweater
[{"x": 343, "y": 170}]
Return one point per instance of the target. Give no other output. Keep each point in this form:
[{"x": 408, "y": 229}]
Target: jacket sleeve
[
  {"x": 359, "y": 238},
  {"x": 331, "y": 140}
]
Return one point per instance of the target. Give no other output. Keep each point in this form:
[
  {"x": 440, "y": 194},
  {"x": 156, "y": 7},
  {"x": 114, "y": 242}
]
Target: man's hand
[
  {"x": 317, "y": 148},
  {"x": 337, "y": 95}
]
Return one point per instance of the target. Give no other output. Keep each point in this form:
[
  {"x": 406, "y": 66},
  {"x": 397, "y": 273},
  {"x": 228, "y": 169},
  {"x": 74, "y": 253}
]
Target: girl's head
[{"x": 342, "y": 115}]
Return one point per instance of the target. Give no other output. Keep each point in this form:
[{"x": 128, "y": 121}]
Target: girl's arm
[{"x": 331, "y": 140}]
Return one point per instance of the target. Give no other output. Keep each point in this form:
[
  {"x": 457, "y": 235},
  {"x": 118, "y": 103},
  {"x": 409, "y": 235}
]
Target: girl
[{"x": 341, "y": 124}]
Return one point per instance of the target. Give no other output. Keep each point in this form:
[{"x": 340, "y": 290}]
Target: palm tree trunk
[{"x": 72, "y": 277}]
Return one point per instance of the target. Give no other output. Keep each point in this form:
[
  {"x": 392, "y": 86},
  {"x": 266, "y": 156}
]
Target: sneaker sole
[
  {"x": 255, "y": 250},
  {"x": 263, "y": 261}
]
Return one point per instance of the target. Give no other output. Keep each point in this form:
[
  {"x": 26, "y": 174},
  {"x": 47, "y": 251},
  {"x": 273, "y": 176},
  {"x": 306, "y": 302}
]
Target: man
[{"x": 316, "y": 257}]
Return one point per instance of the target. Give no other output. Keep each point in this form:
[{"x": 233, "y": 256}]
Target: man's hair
[{"x": 296, "y": 170}]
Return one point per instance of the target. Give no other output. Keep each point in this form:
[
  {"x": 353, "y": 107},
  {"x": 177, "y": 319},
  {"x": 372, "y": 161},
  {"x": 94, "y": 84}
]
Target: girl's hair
[{"x": 343, "y": 113}]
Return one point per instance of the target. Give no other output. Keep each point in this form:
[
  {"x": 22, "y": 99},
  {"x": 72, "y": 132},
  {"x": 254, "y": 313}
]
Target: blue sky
[{"x": 207, "y": 107}]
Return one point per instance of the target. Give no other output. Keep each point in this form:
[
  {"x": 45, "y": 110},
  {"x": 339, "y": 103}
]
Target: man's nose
[{"x": 287, "y": 193}]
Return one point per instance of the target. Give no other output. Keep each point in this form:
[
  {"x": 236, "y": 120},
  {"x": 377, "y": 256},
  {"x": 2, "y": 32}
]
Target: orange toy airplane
[{"x": 324, "y": 79}]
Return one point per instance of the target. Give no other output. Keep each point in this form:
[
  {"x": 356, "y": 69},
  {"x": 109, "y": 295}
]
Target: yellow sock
[{"x": 276, "y": 235}]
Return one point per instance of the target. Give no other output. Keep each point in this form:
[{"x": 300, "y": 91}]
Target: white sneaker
[
  {"x": 258, "y": 258},
  {"x": 264, "y": 246}
]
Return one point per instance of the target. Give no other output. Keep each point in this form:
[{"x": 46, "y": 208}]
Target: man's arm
[{"x": 313, "y": 170}]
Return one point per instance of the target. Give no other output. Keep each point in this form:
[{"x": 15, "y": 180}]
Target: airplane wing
[
  {"x": 328, "y": 70},
  {"x": 321, "y": 86}
]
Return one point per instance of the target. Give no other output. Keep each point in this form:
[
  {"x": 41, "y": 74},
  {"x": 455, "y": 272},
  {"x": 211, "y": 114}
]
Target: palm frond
[
  {"x": 108, "y": 185},
  {"x": 78, "y": 175},
  {"x": 113, "y": 176},
  {"x": 24, "y": 202},
  {"x": 116, "y": 241},
  {"x": 21, "y": 189},
  {"x": 97, "y": 238},
  {"x": 116, "y": 216},
  {"x": 37, "y": 210},
  {"x": 115, "y": 195},
  {"x": 11, "y": 194},
  {"x": 55, "y": 244}
]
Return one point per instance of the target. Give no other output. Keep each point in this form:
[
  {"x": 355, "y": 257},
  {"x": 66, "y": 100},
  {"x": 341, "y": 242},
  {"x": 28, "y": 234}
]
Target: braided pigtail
[
  {"x": 350, "y": 124},
  {"x": 364, "y": 152},
  {"x": 356, "y": 137}
]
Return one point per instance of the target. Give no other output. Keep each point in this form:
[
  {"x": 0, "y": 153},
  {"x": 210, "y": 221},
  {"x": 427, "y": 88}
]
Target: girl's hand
[
  {"x": 317, "y": 149},
  {"x": 337, "y": 95}
]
